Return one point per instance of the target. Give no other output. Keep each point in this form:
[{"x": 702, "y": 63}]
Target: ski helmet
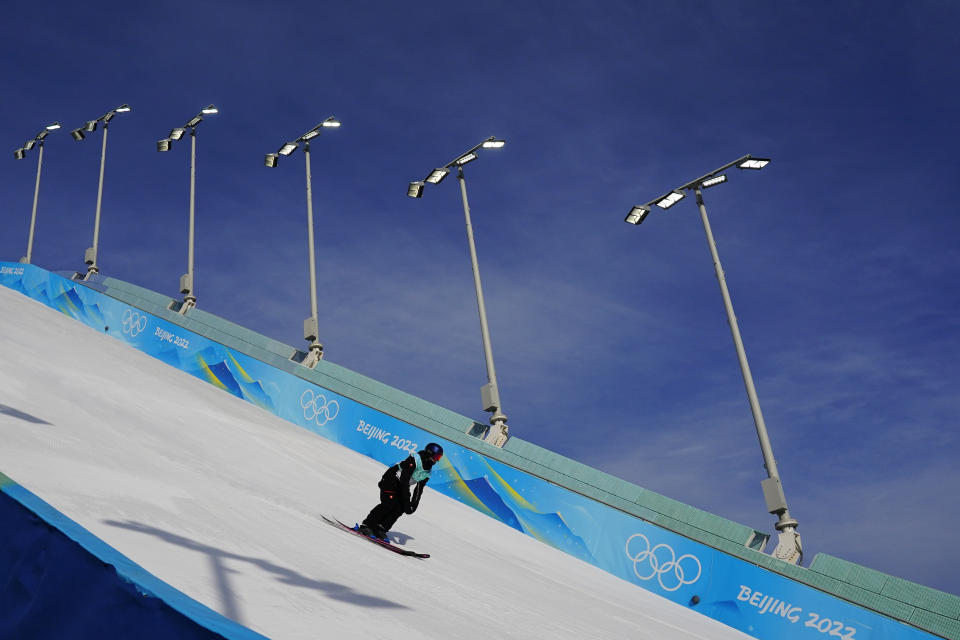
[{"x": 434, "y": 451}]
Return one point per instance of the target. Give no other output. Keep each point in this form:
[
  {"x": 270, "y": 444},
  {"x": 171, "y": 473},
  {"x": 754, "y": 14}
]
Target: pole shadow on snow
[
  {"x": 218, "y": 558},
  {"x": 16, "y": 413}
]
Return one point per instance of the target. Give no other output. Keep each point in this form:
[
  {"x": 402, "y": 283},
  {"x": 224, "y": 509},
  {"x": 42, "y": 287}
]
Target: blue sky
[{"x": 610, "y": 340}]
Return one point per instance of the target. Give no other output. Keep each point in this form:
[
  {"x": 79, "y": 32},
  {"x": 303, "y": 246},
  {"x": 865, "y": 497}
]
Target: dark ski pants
[{"x": 385, "y": 515}]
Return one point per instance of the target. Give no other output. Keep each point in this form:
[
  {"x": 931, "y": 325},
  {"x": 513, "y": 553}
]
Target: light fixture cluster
[
  {"x": 177, "y": 133},
  {"x": 91, "y": 125},
  {"x": 21, "y": 153},
  {"x": 415, "y": 189},
  {"x": 639, "y": 212},
  {"x": 272, "y": 159}
]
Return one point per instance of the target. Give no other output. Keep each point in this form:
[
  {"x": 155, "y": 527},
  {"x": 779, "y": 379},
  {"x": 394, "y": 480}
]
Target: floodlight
[
  {"x": 754, "y": 163},
  {"x": 40, "y": 136},
  {"x": 53, "y": 127},
  {"x": 29, "y": 145},
  {"x": 415, "y": 190},
  {"x": 788, "y": 548},
  {"x": 436, "y": 176},
  {"x": 186, "y": 282},
  {"x": 714, "y": 181},
  {"x": 90, "y": 256},
  {"x": 19, "y": 154},
  {"x": 671, "y": 199},
  {"x": 310, "y": 325},
  {"x": 637, "y": 214},
  {"x": 462, "y": 160},
  {"x": 489, "y": 394}
]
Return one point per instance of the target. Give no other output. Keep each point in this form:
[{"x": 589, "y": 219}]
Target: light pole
[
  {"x": 311, "y": 324},
  {"x": 186, "y": 280},
  {"x": 20, "y": 154},
  {"x": 90, "y": 256},
  {"x": 497, "y": 434},
  {"x": 789, "y": 547}
]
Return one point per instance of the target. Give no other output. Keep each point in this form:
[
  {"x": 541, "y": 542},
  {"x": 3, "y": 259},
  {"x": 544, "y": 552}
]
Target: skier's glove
[
  {"x": 414, "y": 503},
  {"x": 415, "y": 499}
]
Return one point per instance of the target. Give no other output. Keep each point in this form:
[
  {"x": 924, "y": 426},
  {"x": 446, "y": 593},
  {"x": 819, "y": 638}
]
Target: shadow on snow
[{"x": 218, "y": 559}]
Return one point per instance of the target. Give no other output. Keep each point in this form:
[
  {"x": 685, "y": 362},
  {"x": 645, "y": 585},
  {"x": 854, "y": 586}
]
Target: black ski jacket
[{"x": 398, "y": 479}]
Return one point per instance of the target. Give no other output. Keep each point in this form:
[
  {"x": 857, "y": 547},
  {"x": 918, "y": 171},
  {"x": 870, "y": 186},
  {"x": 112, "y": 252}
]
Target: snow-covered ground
[{"x": 222, "y": 501}]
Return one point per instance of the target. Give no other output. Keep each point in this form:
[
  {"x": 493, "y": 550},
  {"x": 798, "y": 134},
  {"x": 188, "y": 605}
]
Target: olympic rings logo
[
  {"x": 133, "y": 322},
  {"x": 661, "y": 561},
  {"x": 317, "y": 408}
]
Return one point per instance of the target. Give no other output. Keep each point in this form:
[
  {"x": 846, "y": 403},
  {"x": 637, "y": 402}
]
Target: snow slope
[{"x": 222, "y": 501}]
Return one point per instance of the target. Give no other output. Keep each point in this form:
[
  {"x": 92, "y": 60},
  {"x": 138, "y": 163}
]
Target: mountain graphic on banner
[
  {"x": 546, "y": 527},
  {"x": 211, "y": 365},
  {"x": 552, "y": 529},
  {"x": 69, "y": 302}
]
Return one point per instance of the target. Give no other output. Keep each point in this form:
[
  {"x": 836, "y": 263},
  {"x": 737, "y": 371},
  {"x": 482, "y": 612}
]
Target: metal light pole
[
  {"x": 316, "y": 348},
  {"x": 186, "y": 280},
  {"x": 311, "y": 324},
  {"x": 90, "y": 256},
  {"x": 789, "y": 547},
  {"x": 497, "y": 434},
  {"x": 20, "y": 154}
]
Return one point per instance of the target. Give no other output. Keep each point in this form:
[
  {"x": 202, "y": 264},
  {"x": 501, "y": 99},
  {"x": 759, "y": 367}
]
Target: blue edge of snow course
[{"x": 57, "y": 580}]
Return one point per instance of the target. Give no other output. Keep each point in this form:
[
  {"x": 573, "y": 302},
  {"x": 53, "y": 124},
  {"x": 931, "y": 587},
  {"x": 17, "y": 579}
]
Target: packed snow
[{"x": 223, "y": 500}]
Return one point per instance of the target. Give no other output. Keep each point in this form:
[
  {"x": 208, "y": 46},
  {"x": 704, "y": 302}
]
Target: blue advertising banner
[{"x": 752, "y": 599}]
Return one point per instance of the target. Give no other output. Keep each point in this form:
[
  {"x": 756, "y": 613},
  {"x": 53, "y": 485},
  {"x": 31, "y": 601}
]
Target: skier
[{"x": 395, "y": 495}]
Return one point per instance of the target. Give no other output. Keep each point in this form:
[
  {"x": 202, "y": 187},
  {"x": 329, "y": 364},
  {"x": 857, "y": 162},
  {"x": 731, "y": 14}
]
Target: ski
[{"x": 383, "y": 543}]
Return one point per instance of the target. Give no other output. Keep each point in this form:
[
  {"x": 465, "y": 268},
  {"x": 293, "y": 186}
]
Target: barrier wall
[
  {"x": 59, "y": 581},
  {"x": 722, "y": 585}
]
